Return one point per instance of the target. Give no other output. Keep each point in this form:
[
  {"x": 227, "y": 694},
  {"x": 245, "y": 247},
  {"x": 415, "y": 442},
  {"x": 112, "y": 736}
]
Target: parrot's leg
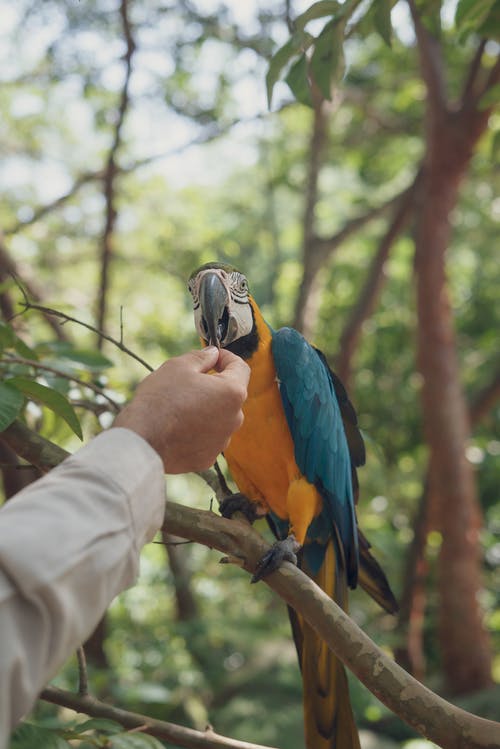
[
  {"x": 281, "y": 551},
  {"x": 240, "y": 503}
]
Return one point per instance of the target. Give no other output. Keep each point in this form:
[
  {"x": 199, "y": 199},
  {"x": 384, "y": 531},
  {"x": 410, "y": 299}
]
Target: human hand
[{"x": 186, "y": 414}]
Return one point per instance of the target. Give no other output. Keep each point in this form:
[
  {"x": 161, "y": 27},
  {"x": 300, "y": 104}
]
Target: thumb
[{"x": 205, "y": 359}]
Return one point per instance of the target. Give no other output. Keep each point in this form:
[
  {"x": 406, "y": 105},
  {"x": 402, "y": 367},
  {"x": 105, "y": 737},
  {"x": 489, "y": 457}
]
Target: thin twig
[
  {"x": 68, "y": 318},
  {"x": 121, "y": 324},
  {"x": 110, "y": 174},
  {"x": 174, "y": 734},
  {"x": 83, "y": 680},
  {"x": 8, "y": 359}
]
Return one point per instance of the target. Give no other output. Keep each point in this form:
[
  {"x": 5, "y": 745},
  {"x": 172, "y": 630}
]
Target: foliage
[{"x": 96, "y": 732}]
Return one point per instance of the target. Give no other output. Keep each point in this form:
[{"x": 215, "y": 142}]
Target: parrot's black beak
[{"x": 214, "y": 309}]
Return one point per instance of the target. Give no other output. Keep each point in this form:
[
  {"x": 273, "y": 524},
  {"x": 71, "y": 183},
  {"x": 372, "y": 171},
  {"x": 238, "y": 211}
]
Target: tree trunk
[{"x": 464, "y": 642}]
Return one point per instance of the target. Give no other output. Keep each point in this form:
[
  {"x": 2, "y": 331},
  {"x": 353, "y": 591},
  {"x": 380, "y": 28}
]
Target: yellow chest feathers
[{"x": 261, "y": 453}]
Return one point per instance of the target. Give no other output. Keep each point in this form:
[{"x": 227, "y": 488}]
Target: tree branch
[
  {"x": 367, "y": 298},
  {"x": 484, "y": 400},
  {"x": 322, "y": 248},
  {"x": 178, "y": 735},
  {"x": 44, "y": 210},
  {"x": 440, "y": 721},
  {"x": 28, "y": 444},
  {"x": 431, "y": 64},
  {"x": 430, "y": 715},
  {"x": 110, "y": 173},
  {"x": 468, "y": 92}
]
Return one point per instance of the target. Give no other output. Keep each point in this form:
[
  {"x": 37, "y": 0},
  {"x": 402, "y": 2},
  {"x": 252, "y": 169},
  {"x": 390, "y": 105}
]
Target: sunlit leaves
[
  {"x": 298, "y": 81},
  {"x": 318, "y": 10},
  {"x": 470, "y": 14},
  {"x": 327, "y": 61},
  {"x": 297, "y": 43},
  {"x": 88, "y": 359},
  {"x": 48, "y": 397}
]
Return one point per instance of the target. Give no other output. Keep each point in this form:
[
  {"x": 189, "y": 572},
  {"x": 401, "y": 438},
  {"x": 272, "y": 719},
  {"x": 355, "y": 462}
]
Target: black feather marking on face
[{"x": 248, "y": 344}]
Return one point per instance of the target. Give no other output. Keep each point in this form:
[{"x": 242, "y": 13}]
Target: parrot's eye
[{"x": 243, "y": 285}]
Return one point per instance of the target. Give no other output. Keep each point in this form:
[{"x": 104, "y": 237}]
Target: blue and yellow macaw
[{"x": 295, "y": 460}]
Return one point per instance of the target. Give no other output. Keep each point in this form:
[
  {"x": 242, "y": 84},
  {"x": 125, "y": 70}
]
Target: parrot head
[{"x": 223, "y": 313}]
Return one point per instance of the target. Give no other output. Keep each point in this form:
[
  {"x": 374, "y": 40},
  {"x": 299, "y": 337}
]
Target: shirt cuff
[{"x": 131, "y": 463}]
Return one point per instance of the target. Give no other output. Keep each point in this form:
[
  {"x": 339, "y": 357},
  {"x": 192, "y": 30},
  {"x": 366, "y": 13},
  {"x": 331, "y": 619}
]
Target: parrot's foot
[
  {"x": 281, "y": 551},
  {"x": 239, "y": 503}
]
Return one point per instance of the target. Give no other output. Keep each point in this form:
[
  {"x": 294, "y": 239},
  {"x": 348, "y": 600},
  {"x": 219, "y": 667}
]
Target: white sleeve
[{"x": 69, "y": 543}]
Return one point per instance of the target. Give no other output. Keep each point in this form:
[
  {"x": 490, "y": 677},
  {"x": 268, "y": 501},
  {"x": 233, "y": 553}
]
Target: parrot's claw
[
  {"x": 239, "y": 503},
  {"x": 281, "y": 551}
]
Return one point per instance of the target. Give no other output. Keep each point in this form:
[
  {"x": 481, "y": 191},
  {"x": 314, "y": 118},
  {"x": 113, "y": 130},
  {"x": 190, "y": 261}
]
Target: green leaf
[
  {"x": 50, "y": 398},
  {"x": 382, "y": 19},
  {"x": 7, "y": 336},
  {"x": 23, "y": 349},
  {"x": 317, "y": 10},
  {"x": 88, "y": 359},
  {"x": 11, "y": 403},
  {"x": 297, "y": 42},
  {"x": 490, "y": 29},
  {"x": 99, "y": 724},
  {"x": 490, "y": 98},
  {"x": 28, "y": 736},
  {"x": 327, "y": 61},
  {"x": 298, "y": 81},
  {"x": 134, "y": 741},
  {"x": 470, "y": 14}
]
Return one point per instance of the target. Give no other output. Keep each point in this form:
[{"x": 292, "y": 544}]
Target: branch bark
[{"x": 440, "y": 721}]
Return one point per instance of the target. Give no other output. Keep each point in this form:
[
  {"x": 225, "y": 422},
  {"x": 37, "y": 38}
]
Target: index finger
[{"x": 232, "y": 366}]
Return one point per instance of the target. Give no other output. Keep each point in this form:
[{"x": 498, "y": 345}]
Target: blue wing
[{"x": 321, "y": 450}]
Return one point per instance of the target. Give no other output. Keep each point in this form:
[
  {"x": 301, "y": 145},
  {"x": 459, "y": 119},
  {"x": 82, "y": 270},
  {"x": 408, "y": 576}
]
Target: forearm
[{"x": 68, "y": 544}]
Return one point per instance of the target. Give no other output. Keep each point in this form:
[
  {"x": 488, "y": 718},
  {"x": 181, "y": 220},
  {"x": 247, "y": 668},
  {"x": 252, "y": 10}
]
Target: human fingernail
[{"x": 211, "y": 350}]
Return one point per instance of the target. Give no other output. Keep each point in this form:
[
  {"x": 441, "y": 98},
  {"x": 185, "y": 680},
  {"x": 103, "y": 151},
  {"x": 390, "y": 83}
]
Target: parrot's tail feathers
[
  {"x": 328, "y": 717},
  {"x": 372, "y": 578}
]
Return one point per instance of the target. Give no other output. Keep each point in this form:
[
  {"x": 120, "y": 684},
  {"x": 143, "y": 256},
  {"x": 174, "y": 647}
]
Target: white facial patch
[{"x": 240, "y": 320}]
